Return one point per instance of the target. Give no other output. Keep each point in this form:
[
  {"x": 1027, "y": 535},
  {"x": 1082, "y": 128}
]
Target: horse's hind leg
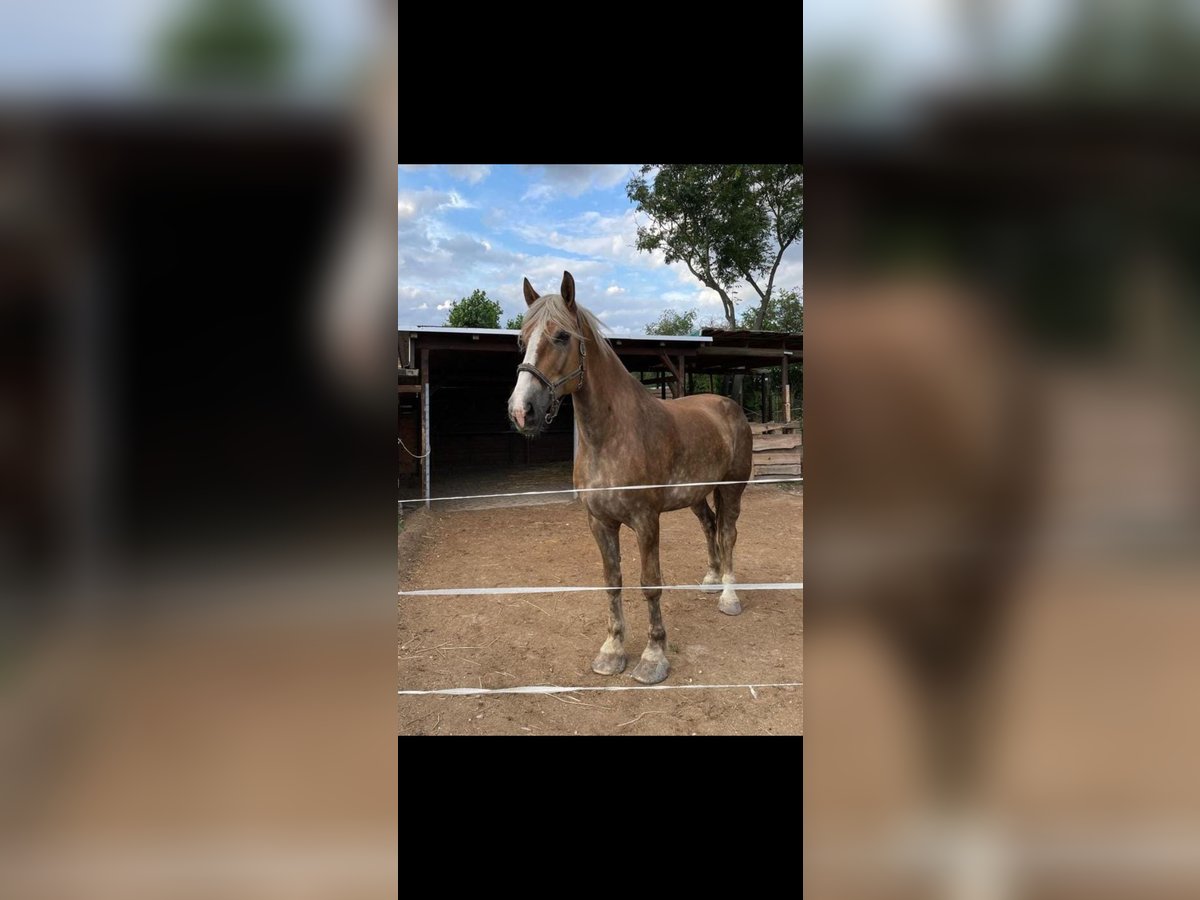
[
  {"x": 708, "y": 522},
  {"x": 611, "y": 659},
  {"x": 653, "y": 666},
  {"x": 729, "y": 507}
]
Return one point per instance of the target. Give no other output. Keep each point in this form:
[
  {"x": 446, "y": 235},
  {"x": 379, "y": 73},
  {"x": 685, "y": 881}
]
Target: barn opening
[{"x": 453, "y": 386}]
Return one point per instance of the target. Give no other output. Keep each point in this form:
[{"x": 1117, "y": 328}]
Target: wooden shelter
[{"x": 453, "y": 384}]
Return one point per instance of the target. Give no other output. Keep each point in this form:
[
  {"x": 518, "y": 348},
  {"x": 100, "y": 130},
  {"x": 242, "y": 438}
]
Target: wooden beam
[
  {"x": 774, "y": 469},
  {"x": 676, "y": 373},
  {"x": 775, "y": 441},
  {"x": 764, "y": 352},
  {"x": 482, "y": 346},
  {"x": 408, "y": 389},
  {"x": 779, "y": 458},
  {"x": 670, "y": 365},
  {"x": 431, "y": 341}
]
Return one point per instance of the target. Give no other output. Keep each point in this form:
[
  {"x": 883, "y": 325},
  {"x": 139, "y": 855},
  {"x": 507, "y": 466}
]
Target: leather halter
[{"x": 555, "y": 400}]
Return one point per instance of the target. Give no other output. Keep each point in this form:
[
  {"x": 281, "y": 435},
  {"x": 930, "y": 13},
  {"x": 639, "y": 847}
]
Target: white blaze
[{"x": 526, "y": 386}]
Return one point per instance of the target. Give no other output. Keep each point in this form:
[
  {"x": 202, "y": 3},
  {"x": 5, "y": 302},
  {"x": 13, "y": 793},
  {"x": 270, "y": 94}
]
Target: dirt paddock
[{"x": 511, "y": 640}]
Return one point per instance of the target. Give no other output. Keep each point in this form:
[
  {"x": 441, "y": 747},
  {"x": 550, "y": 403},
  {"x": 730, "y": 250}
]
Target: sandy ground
[{"x": 505, "y": 641}]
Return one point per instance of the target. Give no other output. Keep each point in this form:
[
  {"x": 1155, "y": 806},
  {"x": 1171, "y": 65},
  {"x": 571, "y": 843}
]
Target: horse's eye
[{"x": 561, "y": 337}]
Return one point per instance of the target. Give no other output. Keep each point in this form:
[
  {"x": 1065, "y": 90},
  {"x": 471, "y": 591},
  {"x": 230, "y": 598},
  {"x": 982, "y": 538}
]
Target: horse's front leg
[
  {"x": 653, "y": 666},
  {"x": 611, "y": 659}
]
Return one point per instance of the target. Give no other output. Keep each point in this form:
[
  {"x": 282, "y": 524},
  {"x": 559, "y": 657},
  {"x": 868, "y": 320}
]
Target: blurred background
[
  {"x": 1003, "y": 495},
  {"x": 197, "y": 544},
  {"x": 197, "y": 288}
]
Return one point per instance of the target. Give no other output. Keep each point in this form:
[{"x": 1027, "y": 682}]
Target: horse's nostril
[{"x": 528, "y": 408}]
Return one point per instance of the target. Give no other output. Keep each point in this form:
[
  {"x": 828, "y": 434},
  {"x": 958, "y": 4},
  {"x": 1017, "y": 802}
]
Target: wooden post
[
  {"x": 425, "y": 424},
  {"x": 676, "y": 379},
  {"x": 767, "y": 398},
  {"x": 787, "y": 393},
  {"x": 682, "y": 377},
  {"x": 574, "y": 446}
]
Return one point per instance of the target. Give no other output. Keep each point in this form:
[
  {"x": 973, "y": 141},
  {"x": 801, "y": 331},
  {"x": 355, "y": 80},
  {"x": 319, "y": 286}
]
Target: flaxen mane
[{"x": 549, "y": 312}]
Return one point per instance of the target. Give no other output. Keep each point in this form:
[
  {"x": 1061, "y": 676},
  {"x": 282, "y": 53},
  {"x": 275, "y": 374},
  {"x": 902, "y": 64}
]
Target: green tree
[
  {"x": 475, "y": 311},
  {"x": 725, "y": 223},
  {"x": 228, "y": 42},
  {"x": 516, "y": 322},
  {"x": 786, "y": 314},
  {"x": 1111, "y": 49},
  {"x": 671, "y": 322}
]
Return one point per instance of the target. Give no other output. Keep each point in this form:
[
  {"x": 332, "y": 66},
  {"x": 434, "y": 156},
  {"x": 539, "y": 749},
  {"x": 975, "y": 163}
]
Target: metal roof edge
[{"x": 443, "y": 329}]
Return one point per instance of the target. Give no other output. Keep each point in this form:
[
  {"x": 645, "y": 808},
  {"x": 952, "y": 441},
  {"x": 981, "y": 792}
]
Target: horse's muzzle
[{"x": 529, "y": 416}]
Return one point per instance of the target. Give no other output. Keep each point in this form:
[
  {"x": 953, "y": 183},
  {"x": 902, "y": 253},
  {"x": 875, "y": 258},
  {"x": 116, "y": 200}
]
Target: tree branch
[
  {"x": 729, "y": 308},
  {"x": 762, "y": 313},
  {"x": 704, "y": 279}
]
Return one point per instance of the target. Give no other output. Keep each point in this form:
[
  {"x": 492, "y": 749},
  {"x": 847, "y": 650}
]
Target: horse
[
  {"x": 928, "y": 455},
  {"x": 628, "y": 437}
]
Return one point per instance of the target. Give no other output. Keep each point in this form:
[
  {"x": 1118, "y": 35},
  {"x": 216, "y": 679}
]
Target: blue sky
[
  {"x": 907, "y": 47},
  {"x": 464, "y": 227},
  {"x": 55, "y": 45}
]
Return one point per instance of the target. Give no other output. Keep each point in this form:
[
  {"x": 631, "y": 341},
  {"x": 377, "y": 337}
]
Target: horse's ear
[
  {"x": 530, "y": 293},
  {"x": 568, "y": 290}
]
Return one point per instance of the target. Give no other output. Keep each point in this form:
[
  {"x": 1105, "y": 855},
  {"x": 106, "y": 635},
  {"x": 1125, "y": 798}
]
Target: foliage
[
  {"x": 726, "y": 223},
  {"x": 1113, "y": 50},
  {"x": 786, "y": 314},
  {"x": 671, "y": 322},
  {"x": 475, "y": 311},
  {"x": 516, "y": 322},
  {"x": 228, "y": 42}
]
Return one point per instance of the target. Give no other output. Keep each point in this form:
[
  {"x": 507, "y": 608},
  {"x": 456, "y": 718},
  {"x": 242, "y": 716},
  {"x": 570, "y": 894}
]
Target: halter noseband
[{"x": 555, "y": 400}]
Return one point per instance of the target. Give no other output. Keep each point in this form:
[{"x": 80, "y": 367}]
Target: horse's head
[{"x": 555, "y": 355}]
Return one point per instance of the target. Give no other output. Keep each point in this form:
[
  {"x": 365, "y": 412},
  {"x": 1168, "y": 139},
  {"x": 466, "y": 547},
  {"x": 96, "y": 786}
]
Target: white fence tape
[
  {"x": 555, "y": 689},
  {"x": 568, "y": 589},
  {"x": 619, "y": 487},
  {"x": 563, "y": 589}
]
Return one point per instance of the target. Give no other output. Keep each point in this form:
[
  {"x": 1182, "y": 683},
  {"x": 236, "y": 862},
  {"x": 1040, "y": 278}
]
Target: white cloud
[
  {"x": 611, "y": 238},
  {"x": 677, "y": 298},
  {"x": 446, "y": 305},
  {"x": 614, "y": 289},
  {"x": 574, "y": 180},
  {"x": 537, "y": 192},
  {"x": 473, "y": 174},
  {"x": 422, "y": 306},
  {"x": 413, "y": 204}
]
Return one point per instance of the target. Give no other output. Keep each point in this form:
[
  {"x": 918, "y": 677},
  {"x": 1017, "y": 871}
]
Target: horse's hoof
[
  {"x": 730, "y": 607},
  {"x": 652, "y": 671},
  {"x": 609, "y": 664}
]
